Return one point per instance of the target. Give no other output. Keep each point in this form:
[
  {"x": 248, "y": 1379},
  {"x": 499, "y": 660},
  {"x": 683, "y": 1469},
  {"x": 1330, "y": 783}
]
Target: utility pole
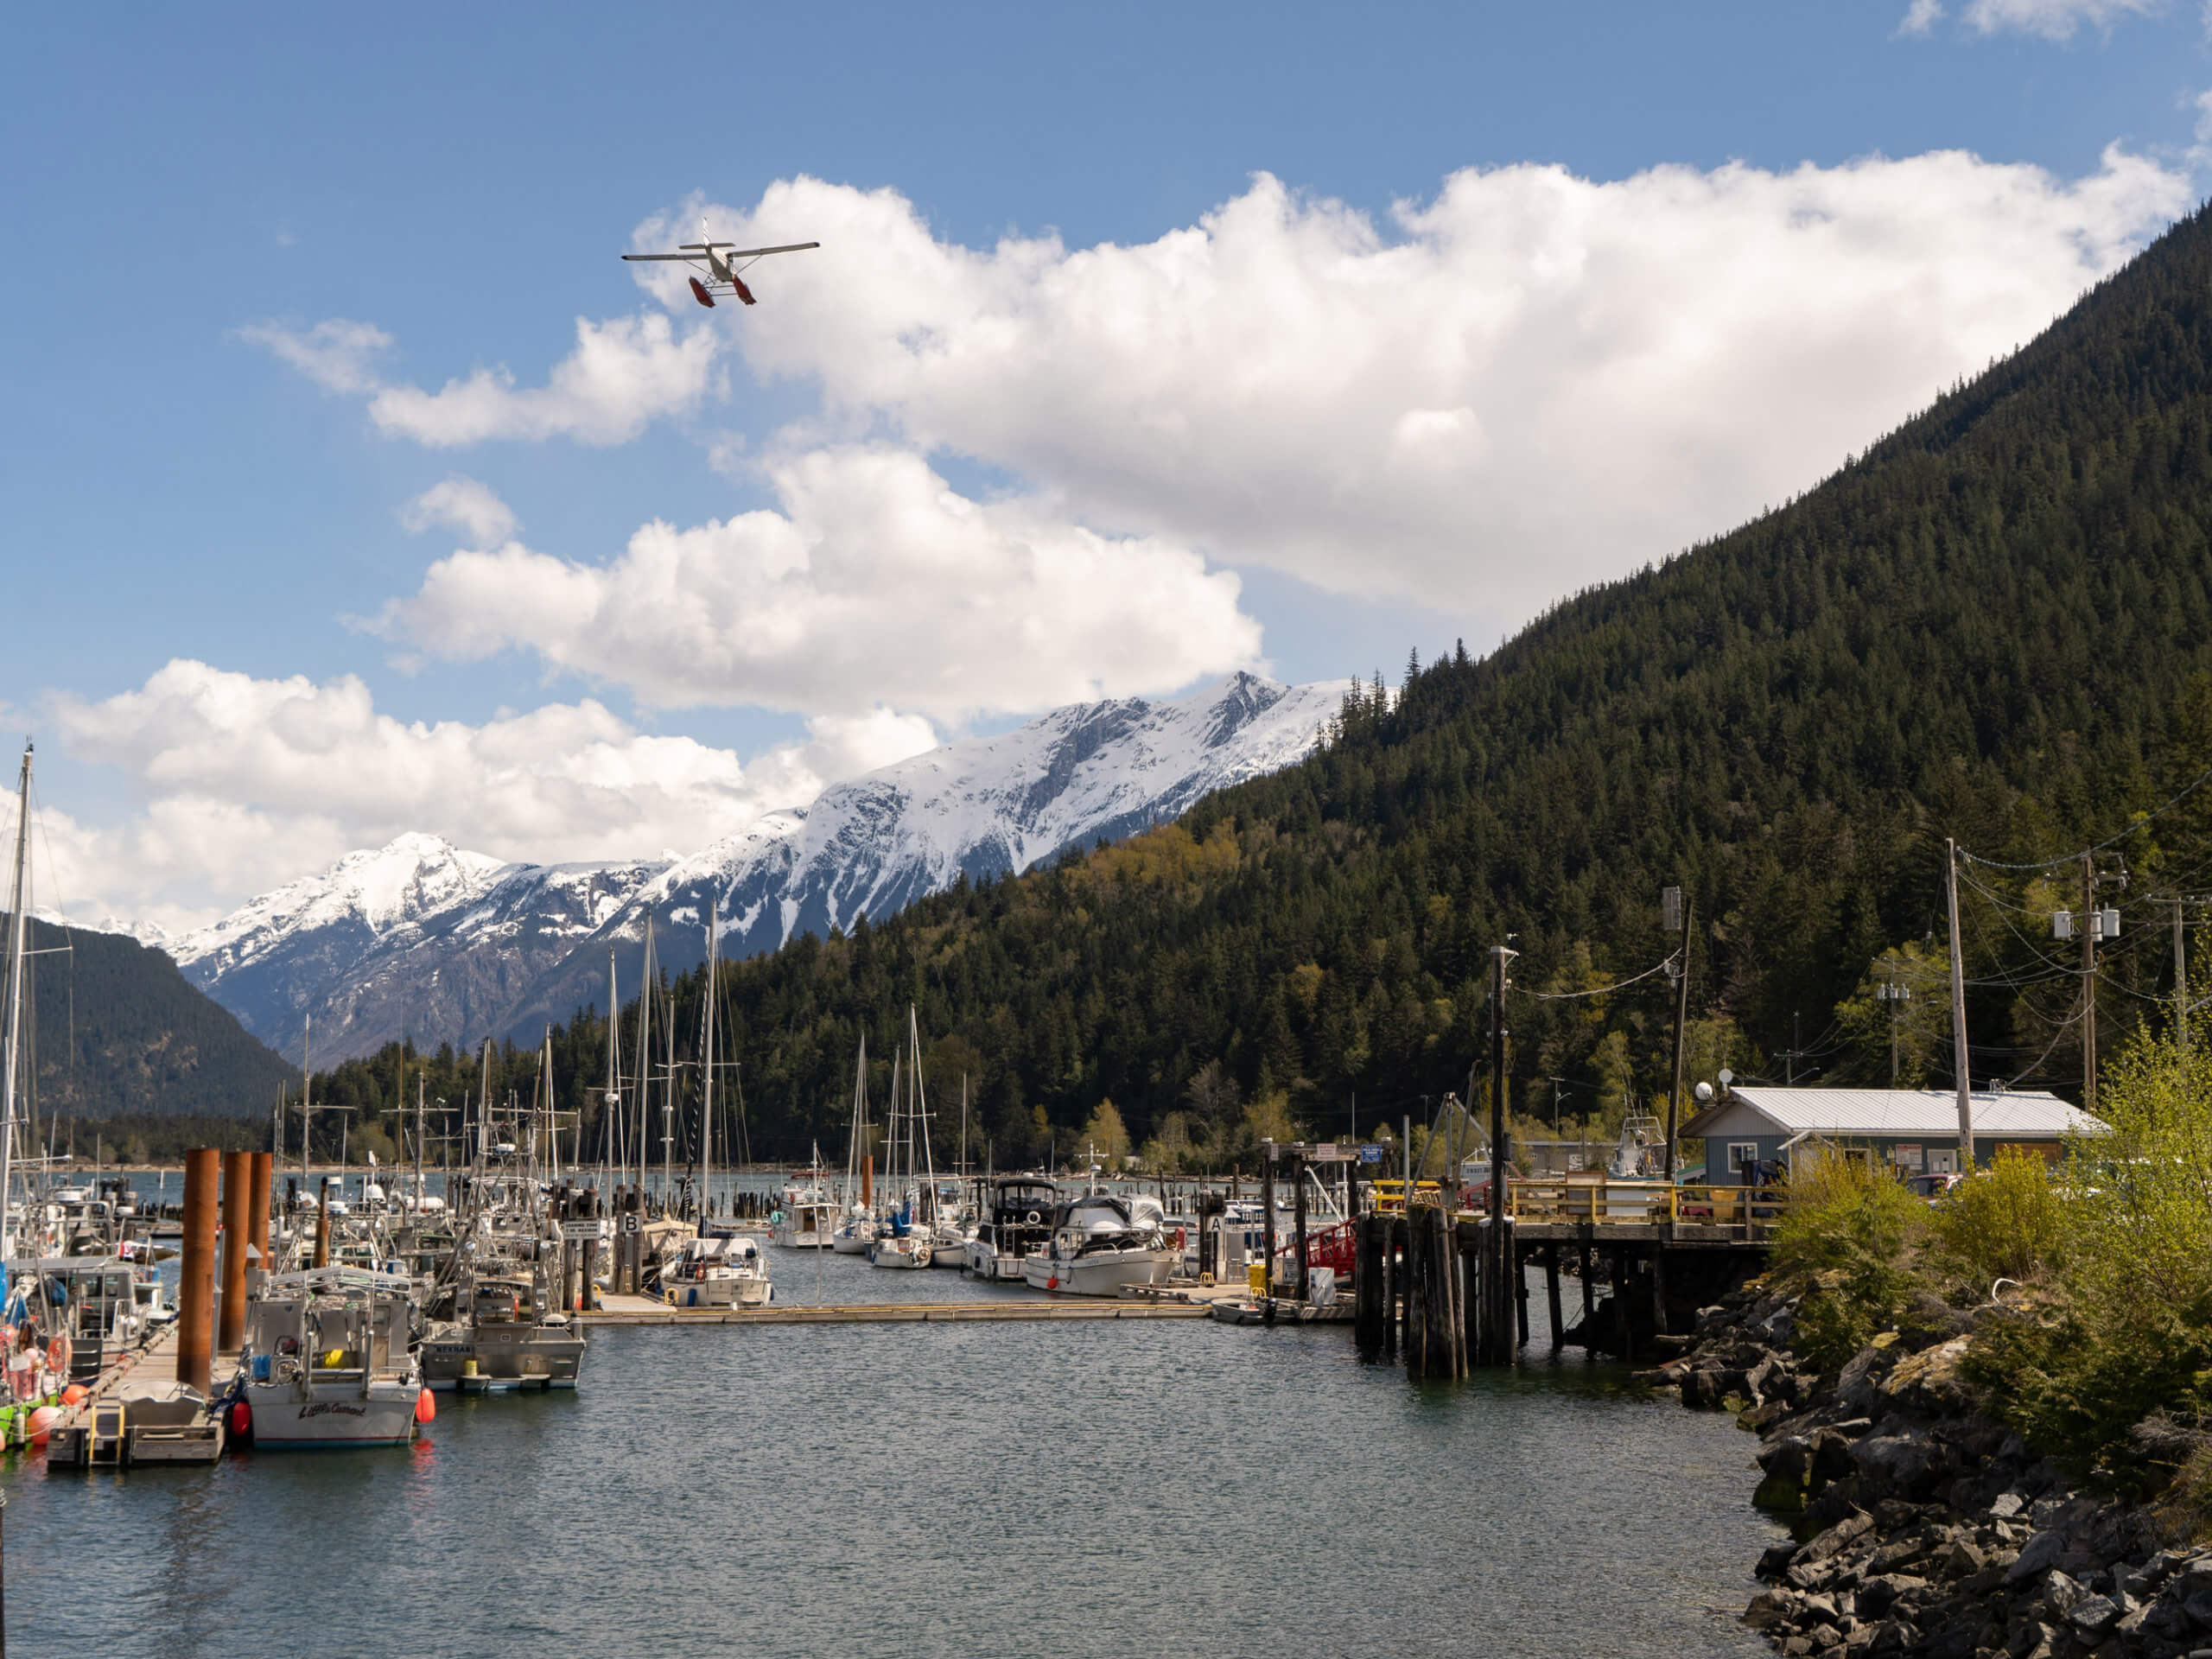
[
  {"x": 1681, "y": 1017},
  {"x": 1496, "y": 1319},
  {"x": 2181, "y": 981},
  {"x": 1960, "y": 1076},
  {"x": 1893, "y": 993},
  {"x": 2088, "y": 982}
]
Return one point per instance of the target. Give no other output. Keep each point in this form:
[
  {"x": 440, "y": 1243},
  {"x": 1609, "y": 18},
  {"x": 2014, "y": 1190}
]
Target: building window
[{"x": 1742, "y": 1154}]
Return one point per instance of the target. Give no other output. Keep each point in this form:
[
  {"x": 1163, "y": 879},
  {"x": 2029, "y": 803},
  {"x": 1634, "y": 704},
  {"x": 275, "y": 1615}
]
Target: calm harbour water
[{"x": 1172, "y": 1488}]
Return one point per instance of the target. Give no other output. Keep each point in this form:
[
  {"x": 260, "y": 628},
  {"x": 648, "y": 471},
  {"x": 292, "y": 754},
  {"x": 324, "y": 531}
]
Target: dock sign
[
  {"x": 587, "y": 1231},
  {"x": 1371, "y": 1155}
]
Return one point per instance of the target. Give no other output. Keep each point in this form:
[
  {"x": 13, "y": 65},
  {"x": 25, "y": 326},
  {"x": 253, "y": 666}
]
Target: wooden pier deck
[{"x": 643, "y": 1309}]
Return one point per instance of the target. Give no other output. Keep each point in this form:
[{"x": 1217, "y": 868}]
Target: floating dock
[{"x": 643, "y": 1309}]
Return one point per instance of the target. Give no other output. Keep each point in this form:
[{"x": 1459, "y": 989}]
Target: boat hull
[
  {"x": 504, "y": 1360},
  {"x": 1102, "y": 1274},
  {"x": 899, "y": 1253},
  {"x": 851, "y": 1243},
  {"x": 985, "y": 1262},
  {"x": 282, "y": 1420},
  {"x": 718, "y": 1292}
]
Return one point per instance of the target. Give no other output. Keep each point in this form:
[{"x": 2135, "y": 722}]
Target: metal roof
[{"x": 2034, "y": 1112}]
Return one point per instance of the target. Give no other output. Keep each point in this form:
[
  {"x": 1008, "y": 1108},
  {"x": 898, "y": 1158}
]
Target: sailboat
[
  {"x": 717, "y": 1268},
  {"x": 908, "y": 1237},
  {"x": 857, "y": 1229}
]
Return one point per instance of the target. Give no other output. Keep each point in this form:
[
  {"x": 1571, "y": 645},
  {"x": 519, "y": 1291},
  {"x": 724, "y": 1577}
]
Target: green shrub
[
  {"x": 1846, "y": 1228},
  {"x": 2006, "y": 1222},
  {"x": 2126, "y": 1328}
]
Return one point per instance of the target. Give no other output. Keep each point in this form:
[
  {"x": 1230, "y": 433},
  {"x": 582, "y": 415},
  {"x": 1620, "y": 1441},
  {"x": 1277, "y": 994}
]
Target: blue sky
[{"x": 186, "y": 188}]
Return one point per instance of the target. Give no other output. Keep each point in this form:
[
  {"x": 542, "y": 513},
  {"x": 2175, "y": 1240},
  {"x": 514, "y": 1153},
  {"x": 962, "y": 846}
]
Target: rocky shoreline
[{"x": 1921, "y": 1527}]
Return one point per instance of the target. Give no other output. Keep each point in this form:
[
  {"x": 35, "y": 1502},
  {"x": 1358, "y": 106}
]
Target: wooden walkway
[{"x": 643, "y": 1309}]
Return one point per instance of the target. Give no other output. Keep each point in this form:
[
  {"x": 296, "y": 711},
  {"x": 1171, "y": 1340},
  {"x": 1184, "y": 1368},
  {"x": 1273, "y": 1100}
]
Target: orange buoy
[
  {"x": 74, "y": 1394},
  {"x": 426, "y": 1407},
  {"x": 43, "y": 1422},
  {"x": 241, "y": 1419}
]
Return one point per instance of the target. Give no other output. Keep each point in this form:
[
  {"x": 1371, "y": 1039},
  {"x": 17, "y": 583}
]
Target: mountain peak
[{"x": 421, "y": 938}]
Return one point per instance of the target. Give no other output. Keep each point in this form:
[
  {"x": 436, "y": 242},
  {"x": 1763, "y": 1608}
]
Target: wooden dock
[{"x": 643, "y": 1309}]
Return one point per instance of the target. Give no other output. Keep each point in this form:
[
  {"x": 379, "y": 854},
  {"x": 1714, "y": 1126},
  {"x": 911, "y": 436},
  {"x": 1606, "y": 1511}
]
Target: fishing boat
[
  {"x": 1016, "y": 1221},
  {"x": 510, "y": 1340},
  {"x": 807, "y": 1212},
  {"x": 330, "y": 1358},
  {"x": 1100, "y": 1242}
]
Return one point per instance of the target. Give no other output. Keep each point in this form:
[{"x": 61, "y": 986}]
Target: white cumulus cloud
[
  {"x": 2053, "y": 20},
  {"x": 875, "y": 583},
  {"x": 625, "y": 373},
  {"x": 248, "y": 782},
  {"x": 337, "y": 355},
  {"x": 463, "y": 503},
  {"x": 1530, "y": 382}
]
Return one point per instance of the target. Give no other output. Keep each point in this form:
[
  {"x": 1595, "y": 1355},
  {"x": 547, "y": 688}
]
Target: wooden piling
[
  {"x": 1620, "y": 1302},
  {"x": 1589, "y": 1268},
  {"x": 260, "y": 1172},
  {"x": 230, "y": 1308},
  {"x": 1393, "y": 1284},
  {"x": 1551, "y": 1295},
  {"x": 1520, "y": 1288},
  {"x": 195, "y": 1327}
]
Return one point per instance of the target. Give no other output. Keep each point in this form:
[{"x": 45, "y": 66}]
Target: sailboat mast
[
  {"x": 17, "y": 906},
  {"x": 307, "y": 1099},
  {"x": 707, "y": 1067},
  {"x": 922, "y": 1111},
  {"x": 610, "y": 1109},
  {"x": 644, "y": 1049}
]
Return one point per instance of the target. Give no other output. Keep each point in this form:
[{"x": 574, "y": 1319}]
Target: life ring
[
  {"x": 699, "y": 1271},
  {"x": 57, "y": 1354},
  {"x": 1032, "y": 1218}
]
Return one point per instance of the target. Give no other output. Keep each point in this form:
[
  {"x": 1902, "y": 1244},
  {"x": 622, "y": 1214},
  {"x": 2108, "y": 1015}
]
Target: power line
[{"x": 2187, "y": 789}]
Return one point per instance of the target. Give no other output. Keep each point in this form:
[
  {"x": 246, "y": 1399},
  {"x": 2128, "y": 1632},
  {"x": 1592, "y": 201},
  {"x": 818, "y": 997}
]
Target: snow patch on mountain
[{"x": 420, "y": 939}]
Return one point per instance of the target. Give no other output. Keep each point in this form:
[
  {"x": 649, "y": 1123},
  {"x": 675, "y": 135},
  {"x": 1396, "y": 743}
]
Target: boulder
[
  {"x": 1876, "y": 1593},
  {"x": 2039, "y": 1555},
  {"x": 2094, "y": 1616},
  {"x": 1930, "y": 1379}
]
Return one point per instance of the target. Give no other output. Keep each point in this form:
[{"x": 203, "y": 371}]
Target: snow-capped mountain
[
  {"x": 423, "y": 940},
  {"x": 415, "y": 939}
]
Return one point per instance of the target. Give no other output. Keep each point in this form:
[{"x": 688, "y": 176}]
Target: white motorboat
[
  {"x": 1101, "y": 1243},
  {"x": 807, "y": 1212},
  {"x": 1016, "y": 1223},
  {"x": 717, "y": 1272},
  {"x": 330, "y": 1359}
]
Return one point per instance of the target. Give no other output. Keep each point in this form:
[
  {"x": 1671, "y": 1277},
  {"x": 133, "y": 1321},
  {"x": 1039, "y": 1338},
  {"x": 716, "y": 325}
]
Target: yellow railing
[
  {"x": 1604, "y": 1200},
  {"x": 1390, "y": 1195}
]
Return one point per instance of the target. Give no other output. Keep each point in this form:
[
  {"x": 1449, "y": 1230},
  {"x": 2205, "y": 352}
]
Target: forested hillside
[
  {"x": 1994, "y": 625},
  {"x": 119, "y": 1034}
]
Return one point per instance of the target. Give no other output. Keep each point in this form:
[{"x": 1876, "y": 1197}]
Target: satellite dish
[
  {"x": 1727, "y": 1077},
  {"x": 1705, "y": 1091}
]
